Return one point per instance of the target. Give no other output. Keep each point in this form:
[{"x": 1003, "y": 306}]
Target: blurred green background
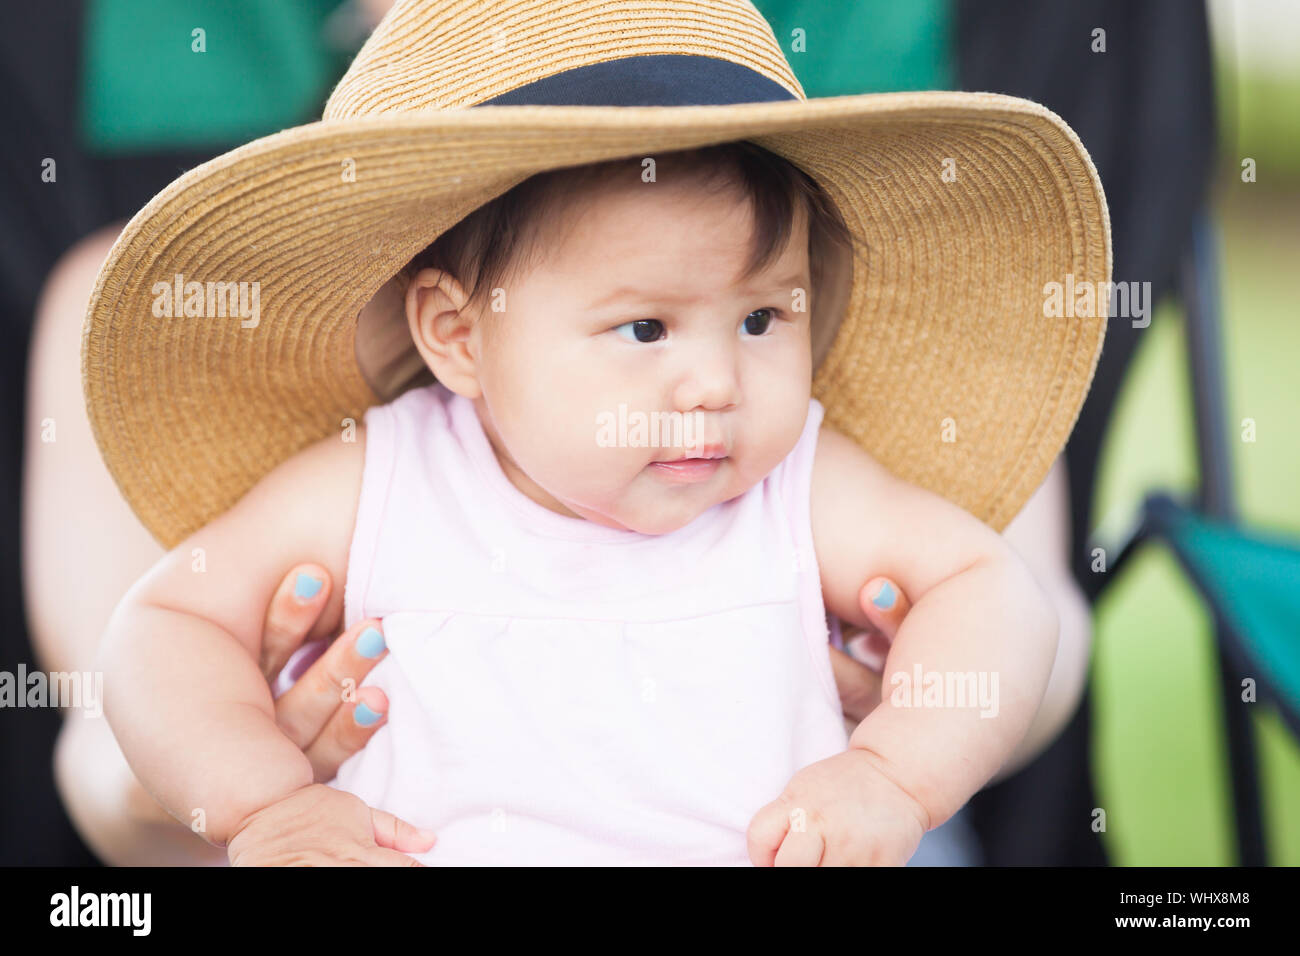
[{"x": 1159, "y": 747}]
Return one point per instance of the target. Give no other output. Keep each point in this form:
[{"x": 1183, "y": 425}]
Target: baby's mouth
[
  {"x": 699, "y": 464},
  {"x": 700, "y": 453}
]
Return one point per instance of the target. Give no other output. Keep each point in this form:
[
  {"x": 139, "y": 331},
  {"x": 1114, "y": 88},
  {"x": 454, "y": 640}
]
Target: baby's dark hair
[{"x": 498, "y": 238}]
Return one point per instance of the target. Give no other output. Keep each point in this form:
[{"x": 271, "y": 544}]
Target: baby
[{"x": 604, "y": 648}]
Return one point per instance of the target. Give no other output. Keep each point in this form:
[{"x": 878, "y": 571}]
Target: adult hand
[
  {"x": 857, "y": 673},
  {"x": 325, "y": 712}
]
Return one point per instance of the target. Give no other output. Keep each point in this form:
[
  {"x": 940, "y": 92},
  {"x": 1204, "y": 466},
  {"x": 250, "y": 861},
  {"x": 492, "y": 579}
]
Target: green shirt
[
  {"x": 865, "y": 46},
  {"x": 149, "y": 81}
]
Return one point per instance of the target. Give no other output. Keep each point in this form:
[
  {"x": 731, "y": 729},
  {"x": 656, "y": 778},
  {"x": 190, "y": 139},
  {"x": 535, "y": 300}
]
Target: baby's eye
[
  {"x": 642, "y": 330},
  {"x": 758, "y": 321}
]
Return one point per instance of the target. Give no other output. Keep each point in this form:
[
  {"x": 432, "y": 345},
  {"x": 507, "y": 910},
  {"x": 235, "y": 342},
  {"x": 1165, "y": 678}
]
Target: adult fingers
[
  {"x": 329, "y": 685},
  {"x": 885, "y": 605},
  {"x": 858, "y": 685},
  {"x": 348, "y": 729},
  {"x": 293, "y": 611}
]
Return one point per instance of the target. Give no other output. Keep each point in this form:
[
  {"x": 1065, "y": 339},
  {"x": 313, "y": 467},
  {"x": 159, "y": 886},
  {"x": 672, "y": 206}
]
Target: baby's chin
[
  {"x": 664, "y": 523},
  {"x": 644, "y": 518},
  {"x": 663, "y": 511}
]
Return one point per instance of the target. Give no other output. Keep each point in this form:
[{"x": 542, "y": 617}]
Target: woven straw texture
[{"x": 943, "y": 334}]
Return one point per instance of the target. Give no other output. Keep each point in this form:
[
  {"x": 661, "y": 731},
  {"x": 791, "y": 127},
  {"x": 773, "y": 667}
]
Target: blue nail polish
[
  {"x": 370, "y": 643},
  {"x": 363, "y": 715},
  {"x": 306, "y": 587},
  {"x": 885, "y": 599}
]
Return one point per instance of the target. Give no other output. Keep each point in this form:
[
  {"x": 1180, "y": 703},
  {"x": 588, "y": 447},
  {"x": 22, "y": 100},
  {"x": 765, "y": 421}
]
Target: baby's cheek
[{"x": 601, "y": 477}]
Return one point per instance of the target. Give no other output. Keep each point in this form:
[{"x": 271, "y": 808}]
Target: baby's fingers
[
  {"x": 383, "y": 857},
  {"x": 801, "y": 847},
  {"x": 395, "y": 834},
  {"x": 765, "y": 833}
]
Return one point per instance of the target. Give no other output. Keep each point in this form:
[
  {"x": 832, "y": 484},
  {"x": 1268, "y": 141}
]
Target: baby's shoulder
[
  {"x": 845, "y": 477},
  {"x": 347, "y": 445},
  {"x": 302, "y": 510},
  {"x": 308, "y": 502},
  {"x": 868, "y": 521},
  {"x": 841, "y": 465},
  {"x": 325, "y": 474}
]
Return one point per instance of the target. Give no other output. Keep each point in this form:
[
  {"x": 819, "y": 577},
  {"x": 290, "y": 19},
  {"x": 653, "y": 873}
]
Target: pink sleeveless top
[{"x": 561, "y": 692}]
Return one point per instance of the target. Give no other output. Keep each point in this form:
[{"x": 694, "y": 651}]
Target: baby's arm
[
  {"x": 977, "y": 608},
  {"x": 183, "y": 691}
]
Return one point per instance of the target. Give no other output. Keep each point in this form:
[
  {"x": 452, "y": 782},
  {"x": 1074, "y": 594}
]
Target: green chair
[{"x": 1249, "y": 579}]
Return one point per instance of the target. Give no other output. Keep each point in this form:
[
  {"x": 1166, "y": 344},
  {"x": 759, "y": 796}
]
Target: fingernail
[
  {"x": 426, "y": 834},
  {"x": 306, "y": 587},
  {"x": 363, "y": 715},
  {"x": 370, "y": 643},
  {"x": 884, "y": 598}
]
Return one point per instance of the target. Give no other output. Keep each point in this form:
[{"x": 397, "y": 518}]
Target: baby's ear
[
  {"x": 440, "y": 323},
  {"x": 386, "y": 355}
]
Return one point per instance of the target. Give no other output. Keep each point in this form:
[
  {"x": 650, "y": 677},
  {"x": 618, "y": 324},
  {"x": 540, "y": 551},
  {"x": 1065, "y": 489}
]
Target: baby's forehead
[
  {"x": 648, "y": 219},
  {"x": 597, "y": 229}
]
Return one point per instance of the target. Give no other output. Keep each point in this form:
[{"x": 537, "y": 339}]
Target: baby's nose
[{"x": 710, "y": 384}]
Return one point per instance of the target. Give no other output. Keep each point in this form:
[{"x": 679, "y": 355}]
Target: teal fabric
[
  {"x": 1254, "y": 580},
  {"x": 267, "y": 66},
  {"x": 866, "y": 46}
]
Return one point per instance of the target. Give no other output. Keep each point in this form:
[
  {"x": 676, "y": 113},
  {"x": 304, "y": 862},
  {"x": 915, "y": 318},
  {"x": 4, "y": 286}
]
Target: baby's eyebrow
[
  {"x": 625, "y": 292},
  {"x": 781, "y": 285},
  {"x": 631, "y": 292}
]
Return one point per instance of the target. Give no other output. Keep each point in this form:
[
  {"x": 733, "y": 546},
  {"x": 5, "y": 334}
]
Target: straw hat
[{"x": 936, "y": 354}]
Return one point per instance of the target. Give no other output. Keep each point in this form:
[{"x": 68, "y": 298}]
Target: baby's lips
[
  {"x": 711, "y": 450},
  {"x": 711, "y": 446},
  {"x": 698, "y": 451}
]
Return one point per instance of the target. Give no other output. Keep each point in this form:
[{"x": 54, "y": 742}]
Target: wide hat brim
[{"x": 944, "y": 365}]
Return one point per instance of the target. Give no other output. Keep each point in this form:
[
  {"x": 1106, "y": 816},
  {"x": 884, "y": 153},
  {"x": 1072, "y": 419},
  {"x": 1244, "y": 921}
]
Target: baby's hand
[
  {"x": 320, "y": 826},
  {"x": 840, "y": 811}
]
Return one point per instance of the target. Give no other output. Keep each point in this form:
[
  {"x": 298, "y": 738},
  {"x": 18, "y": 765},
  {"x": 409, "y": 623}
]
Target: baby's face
[{"x": 637, "y": 312}]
